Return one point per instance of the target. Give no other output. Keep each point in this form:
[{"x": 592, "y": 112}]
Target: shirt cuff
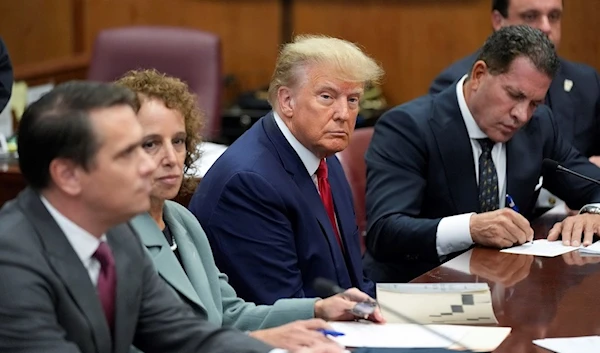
[{"x": 453, "y": 234}]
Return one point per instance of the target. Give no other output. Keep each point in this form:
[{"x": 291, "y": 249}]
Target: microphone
[
  {"x": 553, "y": 165},
  {"x": 326, "y": 288}
]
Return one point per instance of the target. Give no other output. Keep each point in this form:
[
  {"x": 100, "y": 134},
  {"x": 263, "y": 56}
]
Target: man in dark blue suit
[
  {"x": 276, "y": 206},
  {"x": 574, "y": 95},
  {"x": 6, "y": 76},
  {"x": 464, "y": 167}
]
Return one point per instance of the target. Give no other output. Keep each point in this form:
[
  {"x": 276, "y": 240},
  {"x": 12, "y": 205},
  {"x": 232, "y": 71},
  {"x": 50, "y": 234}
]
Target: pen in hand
[
  {"x": 513, "y": 206},
  {"x": 330, "y": 332}
]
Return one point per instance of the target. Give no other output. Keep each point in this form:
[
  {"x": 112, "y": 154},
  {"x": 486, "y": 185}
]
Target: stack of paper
[
  {"x": 587, "y": 344},
  {"x": 436, "y": 303},
  {"x": 474, "y": 338},
  {"x": 592, "y": 249},
  {"x": 543, "y": 247}
]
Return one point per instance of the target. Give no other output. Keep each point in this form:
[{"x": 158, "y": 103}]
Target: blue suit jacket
[
  {"x": 267, "y": 225},
  {"x": 420, "y": 168},
  {"x": 6, "y": 76},
  {"x": 577, "y": 111}
]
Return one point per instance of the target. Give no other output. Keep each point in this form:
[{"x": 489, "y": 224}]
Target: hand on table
[
  {"x": 500, "y": 229},
  {"x": 576, "y": 230},
  {"x": 337, "y": 307},
  {"x": 295, "y": 335}
]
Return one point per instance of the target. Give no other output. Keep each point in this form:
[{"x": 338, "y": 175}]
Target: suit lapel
[
  {"x": 68, "y": 267},
  {"x": 294, "y": 166},
  {"x": 522, "y": 161},
  {"x": 163, "y": 258},
  {"x": 560, "y": 101},
  {"x": 455, "y": 150},
  {"x": 346, "y": 221}
]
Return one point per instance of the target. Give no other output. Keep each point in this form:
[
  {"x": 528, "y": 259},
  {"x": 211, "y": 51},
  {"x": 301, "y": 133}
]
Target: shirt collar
[
  {"x": 472, "y": 128},
  {"x": 84, "y": 243},
  {"x": 310, "y": 161}
]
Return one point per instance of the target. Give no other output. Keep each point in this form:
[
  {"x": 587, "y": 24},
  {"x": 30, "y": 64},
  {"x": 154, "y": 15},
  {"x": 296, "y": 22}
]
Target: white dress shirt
[
  {"x": 83, "y": 242},
  {"x": 453, "y": 233}
]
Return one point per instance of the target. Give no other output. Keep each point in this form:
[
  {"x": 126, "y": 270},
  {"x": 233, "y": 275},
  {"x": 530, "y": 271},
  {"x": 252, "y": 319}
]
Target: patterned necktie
[
  {"x": 488, "y": 178},
  {"x": 107, "y": 282},
  {"x": 327, "y": 198}
]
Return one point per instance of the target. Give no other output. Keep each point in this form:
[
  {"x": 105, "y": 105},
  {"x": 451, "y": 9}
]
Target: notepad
[
  {"x": 436, "y": 303},
  {"x": 586, "y": 344},
  {"x": 543, "y": 247},
  {"x": 477, "y": 339}
]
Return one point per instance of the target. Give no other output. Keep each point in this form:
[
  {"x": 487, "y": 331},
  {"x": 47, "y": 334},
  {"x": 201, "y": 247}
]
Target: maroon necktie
[
  {"x": 107, "y": 282},
  {"x": 326, "y": 197}
]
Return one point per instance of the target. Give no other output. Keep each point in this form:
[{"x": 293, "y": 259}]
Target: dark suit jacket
[
  {"x": 49, "y": 304},
  {"x": 6, "y": 76},
  {"x": 420, "y": 169},
  {"x": 577, "y": 111},
  {"x": 267, "y": 225}
]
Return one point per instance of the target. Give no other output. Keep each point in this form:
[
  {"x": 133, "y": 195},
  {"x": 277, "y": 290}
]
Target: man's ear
[
  {"x": 479, "y": 69},
  {"x": 285, "y": 100},
  {"x": 497, "y": 20},
  {"x": 66, "y": 176}
]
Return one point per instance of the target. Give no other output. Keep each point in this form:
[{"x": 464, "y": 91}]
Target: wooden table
[{"x": 538, "y": 297}]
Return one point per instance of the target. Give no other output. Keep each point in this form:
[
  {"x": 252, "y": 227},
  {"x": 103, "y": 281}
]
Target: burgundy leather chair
[
  {"x": 353, "y": 162},
  {"x": 193, "y": 56}
]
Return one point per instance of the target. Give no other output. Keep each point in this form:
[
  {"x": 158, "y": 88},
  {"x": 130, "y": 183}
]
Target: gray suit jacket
[
  {"x": 200, "y": 283},
  {"x": 49, "y": 304}
]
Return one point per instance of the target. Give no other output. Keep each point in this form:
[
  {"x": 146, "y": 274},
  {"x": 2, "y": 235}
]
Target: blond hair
[
  {"x": 175, "y": 94},
  {"x": 344, "y": 59}
]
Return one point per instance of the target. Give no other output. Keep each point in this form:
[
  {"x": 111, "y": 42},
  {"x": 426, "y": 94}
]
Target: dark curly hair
[
  {"x": 508, "y": 43},
  {"x": 175, "y": 94}
]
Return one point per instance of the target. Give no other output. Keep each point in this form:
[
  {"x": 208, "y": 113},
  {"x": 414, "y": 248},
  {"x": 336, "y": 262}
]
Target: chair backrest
[
  {"x": 193, "y": 56},
  {"x": 353, "y": 162}
]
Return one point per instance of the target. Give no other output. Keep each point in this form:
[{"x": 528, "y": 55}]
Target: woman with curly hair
[{"x": 171, "y": 123}]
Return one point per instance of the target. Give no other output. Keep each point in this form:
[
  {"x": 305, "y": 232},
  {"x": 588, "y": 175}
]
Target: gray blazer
[
  {"x": 201, "y": 284},
  {"x": 49, "y": 304}
]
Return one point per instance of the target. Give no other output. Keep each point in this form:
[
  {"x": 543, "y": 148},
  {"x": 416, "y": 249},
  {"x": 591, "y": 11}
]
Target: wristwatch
[{"x": 595, "y": 208}]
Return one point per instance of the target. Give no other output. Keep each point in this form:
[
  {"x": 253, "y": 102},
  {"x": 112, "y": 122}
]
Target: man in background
[
  {"x": 573, "y": 96},
  {"x": 464, "y": 167},
  {"x": 6, "y": 76}
]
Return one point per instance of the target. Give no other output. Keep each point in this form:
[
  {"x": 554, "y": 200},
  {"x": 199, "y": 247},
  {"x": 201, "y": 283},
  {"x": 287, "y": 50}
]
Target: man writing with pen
[{"x": 464, "y": 167}]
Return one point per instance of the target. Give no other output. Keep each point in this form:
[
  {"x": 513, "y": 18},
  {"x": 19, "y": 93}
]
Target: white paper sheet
[
  {"x": 541, "y": 247},
  {"x": 586, "y": 344},
  {"x": 396, "y": 335},
  {"x": 593, "y": 249},
  {"x": 359, "y": 334}
]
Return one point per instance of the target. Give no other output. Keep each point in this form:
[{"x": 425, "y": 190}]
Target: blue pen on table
[
  {"x": 511, "y": 203},
  {"x": 330, "y": 332}
]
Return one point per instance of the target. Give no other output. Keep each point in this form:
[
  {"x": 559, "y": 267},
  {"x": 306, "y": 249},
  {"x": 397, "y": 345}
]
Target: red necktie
[
  {"x": 326, "y": 197},
  {"x": 107, "y": 282}
]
